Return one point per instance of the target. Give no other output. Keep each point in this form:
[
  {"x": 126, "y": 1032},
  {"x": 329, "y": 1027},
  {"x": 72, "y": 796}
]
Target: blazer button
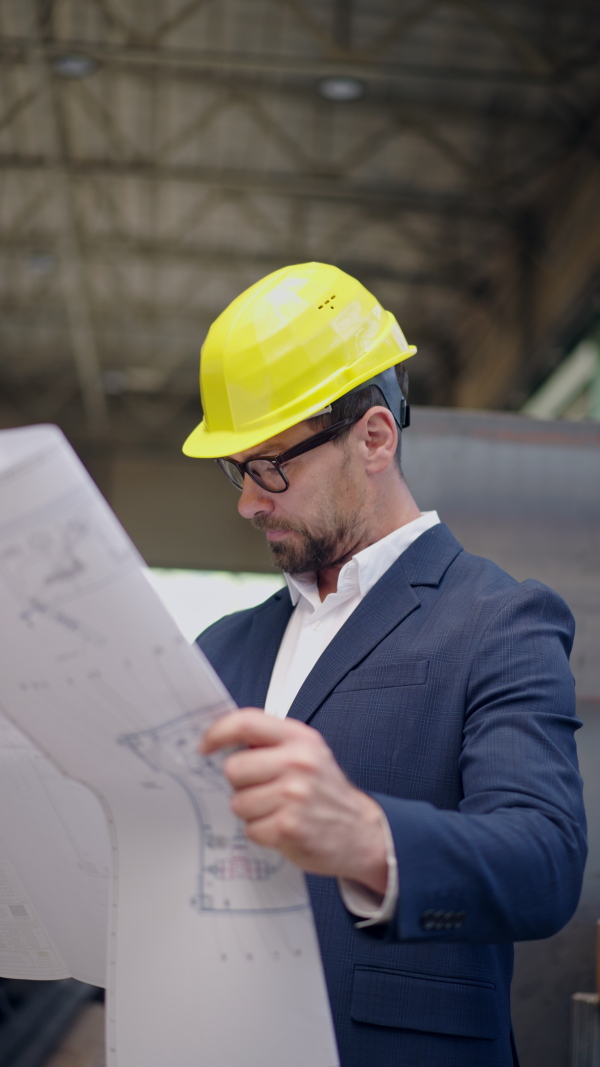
[{"x": 441, "y": 920}]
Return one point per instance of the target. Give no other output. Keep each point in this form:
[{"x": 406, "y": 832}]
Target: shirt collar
[{"x": 360, "y": 573}]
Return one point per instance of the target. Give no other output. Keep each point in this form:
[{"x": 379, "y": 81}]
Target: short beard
[{"x": 312, "y": 553}]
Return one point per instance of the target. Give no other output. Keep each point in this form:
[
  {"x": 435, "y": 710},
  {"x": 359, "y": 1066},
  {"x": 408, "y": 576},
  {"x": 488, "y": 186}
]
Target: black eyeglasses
[{"x": 268, "y": 472}]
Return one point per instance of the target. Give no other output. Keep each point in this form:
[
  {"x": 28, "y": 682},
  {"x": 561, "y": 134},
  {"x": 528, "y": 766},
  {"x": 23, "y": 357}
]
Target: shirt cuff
[{"x": 371, "y": 907}]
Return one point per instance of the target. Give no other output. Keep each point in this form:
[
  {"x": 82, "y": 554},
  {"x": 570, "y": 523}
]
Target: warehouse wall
[{"x": 527, "y": 494}]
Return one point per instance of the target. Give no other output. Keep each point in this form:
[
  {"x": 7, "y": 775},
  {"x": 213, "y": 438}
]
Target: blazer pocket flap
[
  {"x": 417, "y": 1002},
  {"x": 386, "y": 675}
]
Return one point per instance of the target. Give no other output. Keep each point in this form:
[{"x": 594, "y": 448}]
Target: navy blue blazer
[{"x": 447, "y": 695}]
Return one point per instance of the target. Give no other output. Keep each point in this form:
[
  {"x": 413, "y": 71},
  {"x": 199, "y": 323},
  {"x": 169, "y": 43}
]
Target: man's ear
[{"x": 379, "y": 437}]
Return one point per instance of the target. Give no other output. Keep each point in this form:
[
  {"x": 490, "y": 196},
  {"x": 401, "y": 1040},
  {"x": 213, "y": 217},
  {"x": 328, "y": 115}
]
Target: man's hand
[{"x": 294, "y": 797}]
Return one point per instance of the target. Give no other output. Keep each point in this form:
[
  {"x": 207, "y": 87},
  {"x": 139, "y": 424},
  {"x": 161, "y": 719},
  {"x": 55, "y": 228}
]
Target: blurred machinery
[{"x": 34, "y": 1016}]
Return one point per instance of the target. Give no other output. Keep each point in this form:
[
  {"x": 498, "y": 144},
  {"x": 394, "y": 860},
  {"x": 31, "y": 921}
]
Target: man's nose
[{"x": 253, "y": 499}]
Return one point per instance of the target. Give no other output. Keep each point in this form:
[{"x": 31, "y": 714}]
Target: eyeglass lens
[
  {"x": 232, "y": 472},
  {"x": 261, "y": 470},
  {"x": 266, "y": 474}
]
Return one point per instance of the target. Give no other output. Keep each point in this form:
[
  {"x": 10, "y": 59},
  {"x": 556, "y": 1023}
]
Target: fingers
[
  {"x": 268, "y": 785},
  {"x": 266, "y": 832},
  {"x": 256, "y": 802},
  {"x": 269, "y": 820},
  {"x": 254, "y": 766},
  {"x": 292, "y": 795},
  {"x": 249, "y": 727}
]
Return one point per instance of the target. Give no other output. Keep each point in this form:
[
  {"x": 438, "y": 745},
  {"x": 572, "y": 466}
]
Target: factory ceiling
[{"x": 158, "y": 156}]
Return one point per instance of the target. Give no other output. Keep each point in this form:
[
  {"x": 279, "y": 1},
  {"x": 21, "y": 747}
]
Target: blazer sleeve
[{"x": 508, "y": 865}]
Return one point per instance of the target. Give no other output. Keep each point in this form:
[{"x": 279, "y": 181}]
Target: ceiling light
[
  {"x": 341, "y": 88},
  {"x": 74, "y": 65}
]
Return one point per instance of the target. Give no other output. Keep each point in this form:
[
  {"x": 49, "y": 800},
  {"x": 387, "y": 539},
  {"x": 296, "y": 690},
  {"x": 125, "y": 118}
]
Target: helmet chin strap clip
[{"x": 387, "y": 383}]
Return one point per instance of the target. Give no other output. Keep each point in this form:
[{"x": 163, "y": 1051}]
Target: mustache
[{"x": 264, "y": 522}]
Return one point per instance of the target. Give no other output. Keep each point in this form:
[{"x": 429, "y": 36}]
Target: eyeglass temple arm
[{"x": 311, "y": 442}]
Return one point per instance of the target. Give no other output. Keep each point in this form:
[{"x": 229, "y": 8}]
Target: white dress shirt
[{"x": 312, "y": 625}]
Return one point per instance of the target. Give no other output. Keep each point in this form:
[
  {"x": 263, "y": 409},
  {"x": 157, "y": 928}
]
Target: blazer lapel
[
  {"x": 391, "y": 600},
  {"x": 264, "y": 638}
]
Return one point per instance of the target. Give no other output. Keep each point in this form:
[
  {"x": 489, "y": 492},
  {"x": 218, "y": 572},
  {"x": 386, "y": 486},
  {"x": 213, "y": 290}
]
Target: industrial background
[{"x": 159, "y": 156}]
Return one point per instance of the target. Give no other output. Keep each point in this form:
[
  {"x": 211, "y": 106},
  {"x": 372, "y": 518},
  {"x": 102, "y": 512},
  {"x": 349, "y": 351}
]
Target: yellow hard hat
[{"x": 284, "y": 349}]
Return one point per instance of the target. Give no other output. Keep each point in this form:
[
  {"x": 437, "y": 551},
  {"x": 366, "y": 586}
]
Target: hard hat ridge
[{"x": 284, "y": 349}]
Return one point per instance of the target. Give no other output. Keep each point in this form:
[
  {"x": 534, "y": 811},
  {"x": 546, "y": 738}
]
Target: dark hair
[{"x": 355, "y": 405}]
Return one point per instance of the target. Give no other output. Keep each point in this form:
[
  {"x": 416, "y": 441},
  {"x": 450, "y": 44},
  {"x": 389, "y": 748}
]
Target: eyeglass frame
[{"x": 314, "y": 441}]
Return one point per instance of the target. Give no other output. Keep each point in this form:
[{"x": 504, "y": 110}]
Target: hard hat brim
[{"x": 205, "y": 444}]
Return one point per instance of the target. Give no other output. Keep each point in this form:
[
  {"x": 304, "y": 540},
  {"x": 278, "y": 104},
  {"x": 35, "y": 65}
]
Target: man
[{"x": 417, "y": 756}]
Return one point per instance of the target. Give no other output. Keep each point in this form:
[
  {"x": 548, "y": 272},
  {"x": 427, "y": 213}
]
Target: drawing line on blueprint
[
  {"x": 121, "y": 698},
  {"x": 62, "y": 796},
  {"x": 235, "y": 874},
  {"x": 137, "y": 686},
  {"x": 171, "y": 667},
  {"x": 56, "y": 556}
]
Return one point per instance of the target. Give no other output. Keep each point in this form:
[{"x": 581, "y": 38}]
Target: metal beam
[
  {"x": 546, "y": 113},
  {"x": 384, "y": 194},
  {"x": 72, "y": 269},
  {"x": 15, "y": 108},
  {"x": 532, "y": 59},
  {"x": 184, "y": 60},
  {"x": 124, "y": 318},
  {"x": 106, "y": 246},
  {"x": 342, "y": 23}
]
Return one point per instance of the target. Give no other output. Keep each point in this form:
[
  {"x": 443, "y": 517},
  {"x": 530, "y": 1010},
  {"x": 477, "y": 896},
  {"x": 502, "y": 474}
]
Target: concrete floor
[{"x": 84, "y": 1044}]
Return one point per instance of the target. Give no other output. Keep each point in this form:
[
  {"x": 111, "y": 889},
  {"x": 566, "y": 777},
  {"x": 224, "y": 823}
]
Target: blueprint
[
  {"x": 206, "y": 940},
  {"x": 54, "y": 840},
  {"x": 231, "y": 867}
]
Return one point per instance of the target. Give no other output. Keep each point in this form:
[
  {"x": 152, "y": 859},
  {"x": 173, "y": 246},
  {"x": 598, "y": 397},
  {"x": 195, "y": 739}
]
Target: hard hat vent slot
[{"x": 327, "y": 303}]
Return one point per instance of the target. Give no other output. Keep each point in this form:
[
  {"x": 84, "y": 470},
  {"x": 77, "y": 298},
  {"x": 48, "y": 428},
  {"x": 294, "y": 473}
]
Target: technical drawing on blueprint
[
  {"x": 48, "y": 567},
  {"x": 234, "y": 874},
  {"x": 204, "y": 927}
]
